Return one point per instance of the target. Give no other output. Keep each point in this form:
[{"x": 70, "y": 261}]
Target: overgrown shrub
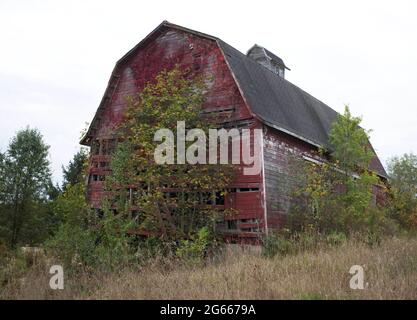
[
  {"x": 84, "y": 239},
  {"x": 276, "y": 244},
  {"x": 12, "y": 265},
  {"x": 338, "y": 196},
  {"x": 73, "y": 245},
  {"x": 336, "y": 238},
  {"x": 403, "y": 190},
  {"x": 196, "y": 249},
  {"x": 175, "y": 201}
]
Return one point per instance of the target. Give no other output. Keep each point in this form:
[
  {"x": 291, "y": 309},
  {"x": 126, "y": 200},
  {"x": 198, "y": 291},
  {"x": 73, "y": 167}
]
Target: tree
[
  {"x": 352, "y": 154},
  {"x": 311, "y": 187},
  {"x": 25, "y": 177},
  {"x": 73, "y": 172},
  {"x": 172, "y": 201},
  {"x": 350, "y": 144},
  {"x": 336, "y": 195},
  {"x": 403, "y": 184},
  {"x": 73, "y": 236},
  {"x": 81, "y": 238}
]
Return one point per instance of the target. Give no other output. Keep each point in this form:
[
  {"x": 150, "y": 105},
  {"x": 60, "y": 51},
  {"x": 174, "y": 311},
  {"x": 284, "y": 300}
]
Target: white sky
[{"x": 56, "y": 58}]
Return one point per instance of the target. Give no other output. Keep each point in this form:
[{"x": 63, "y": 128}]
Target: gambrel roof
[{"x": 272, "y": 99}]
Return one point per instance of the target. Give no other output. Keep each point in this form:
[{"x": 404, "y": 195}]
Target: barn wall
[
  {"x": 202, "y": 56},
  {"x": 279, "y": 150}
]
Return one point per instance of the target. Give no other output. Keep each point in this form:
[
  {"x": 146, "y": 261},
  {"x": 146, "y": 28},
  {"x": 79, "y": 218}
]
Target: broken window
[
  {"x": 173, "y": 195},
  {"x": 206, "y": 198},
  {"x": 246, "y": 189},
  {"x": 231, "y": 224},
  {"x": 219, "y": 199}
]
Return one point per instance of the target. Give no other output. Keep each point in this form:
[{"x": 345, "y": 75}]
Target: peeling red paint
[{"x": 202, "y": 56}]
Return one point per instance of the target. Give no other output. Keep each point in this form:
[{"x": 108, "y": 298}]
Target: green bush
[
  {"x": 73, "y": 245},
  {"x": 154, "y": 246},
  {"x": 306, "y": 240},
  {"x": 336, "y": 238},
  {"x": 12, "y": 265},
  {"x": 196, "y": 249},
  {"x": 276, "y": 244},
  {"x": 105, "y": 245}
]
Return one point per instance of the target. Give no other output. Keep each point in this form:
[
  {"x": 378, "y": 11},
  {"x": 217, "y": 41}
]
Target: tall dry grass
[{"x": 390, "y": 273}]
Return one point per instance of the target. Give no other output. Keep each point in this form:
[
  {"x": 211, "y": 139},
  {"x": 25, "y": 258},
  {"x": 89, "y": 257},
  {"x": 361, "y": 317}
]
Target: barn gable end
[{"x": 163, "y": 50}]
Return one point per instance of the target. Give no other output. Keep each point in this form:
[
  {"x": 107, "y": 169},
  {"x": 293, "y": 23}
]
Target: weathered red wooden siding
[
  {"x": 174, "y": 47},
  {"x": 278, "y": 149}
]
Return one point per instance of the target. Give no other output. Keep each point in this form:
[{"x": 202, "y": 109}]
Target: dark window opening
[
  {"x": 231, "y": 224},
  {"x": 206, "y": 198},
  {"x": 99, "y": 213},
  {"x": 246, "y": 189},
  {"x": 143, "y": 186},
  {"x": 219, "y": 200}
]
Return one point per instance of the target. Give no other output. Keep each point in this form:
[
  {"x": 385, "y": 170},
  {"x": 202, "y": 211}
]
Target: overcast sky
[{"x": 56, "y": 58}]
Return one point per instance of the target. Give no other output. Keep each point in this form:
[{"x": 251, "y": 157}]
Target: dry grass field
[{"x": 390, "y": 273}]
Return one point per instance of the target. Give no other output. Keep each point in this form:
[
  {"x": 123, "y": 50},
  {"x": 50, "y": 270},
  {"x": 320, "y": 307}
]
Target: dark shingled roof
[{"x": 281, "y": 104}]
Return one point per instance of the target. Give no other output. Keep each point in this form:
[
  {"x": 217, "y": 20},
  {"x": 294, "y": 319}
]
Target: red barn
[{"x": 250, "y": 89}]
